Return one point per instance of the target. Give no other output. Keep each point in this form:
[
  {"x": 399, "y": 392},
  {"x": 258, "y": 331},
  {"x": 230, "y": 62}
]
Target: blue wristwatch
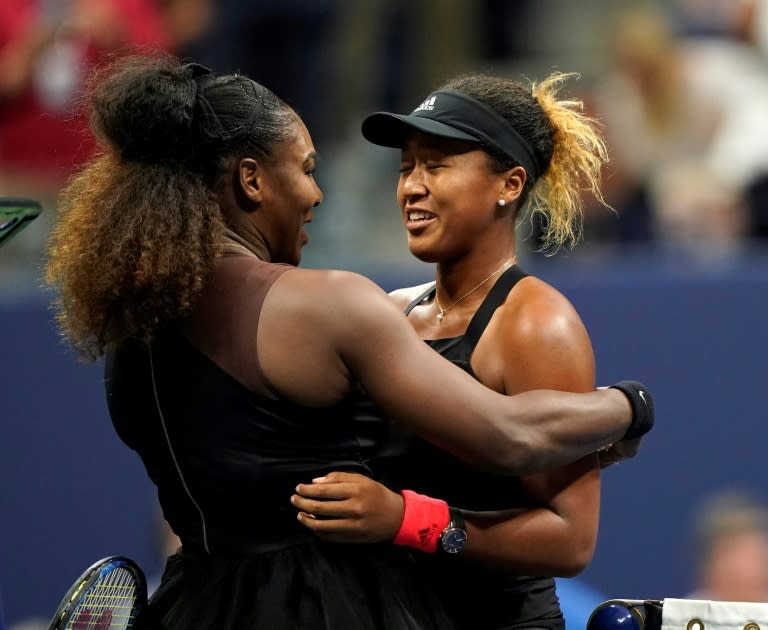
[{"x": 454, "y": 536}]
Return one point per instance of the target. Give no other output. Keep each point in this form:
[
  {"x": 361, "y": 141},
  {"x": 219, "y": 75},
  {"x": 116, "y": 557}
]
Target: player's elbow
[
  {"x": 575, "y": 565},
  {"x": 576, "y": 558},
  {"x": 505, "y": 447},
  {"x": 511, "y": 450}
]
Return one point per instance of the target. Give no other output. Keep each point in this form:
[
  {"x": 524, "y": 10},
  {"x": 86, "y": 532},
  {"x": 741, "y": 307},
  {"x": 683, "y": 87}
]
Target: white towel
[{"x": 697, "y": 614}]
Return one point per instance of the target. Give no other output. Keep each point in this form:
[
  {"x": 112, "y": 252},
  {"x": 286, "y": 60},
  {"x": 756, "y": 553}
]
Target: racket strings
[{"x": 108, "y": 604}]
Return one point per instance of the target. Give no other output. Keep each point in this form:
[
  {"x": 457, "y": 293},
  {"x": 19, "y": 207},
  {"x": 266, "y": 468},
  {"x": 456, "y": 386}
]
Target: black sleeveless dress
[
  {"x": 225, "y": 462},
  {"x": 477, "y": 598}
]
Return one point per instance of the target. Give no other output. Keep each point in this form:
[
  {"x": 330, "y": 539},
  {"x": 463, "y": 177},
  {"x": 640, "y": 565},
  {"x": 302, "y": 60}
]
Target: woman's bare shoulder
[{"x": 535, "y": 309}]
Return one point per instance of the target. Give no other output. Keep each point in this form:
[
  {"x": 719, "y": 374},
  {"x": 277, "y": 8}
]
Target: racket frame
[
  {"x": 15, "y": 214},
  {"x": 82, "y": 585}
]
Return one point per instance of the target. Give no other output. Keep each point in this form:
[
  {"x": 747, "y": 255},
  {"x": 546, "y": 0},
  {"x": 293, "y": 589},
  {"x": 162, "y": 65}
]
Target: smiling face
[
  {"x": 448, "y": 195},
  {"x": 289, "y": 194}
]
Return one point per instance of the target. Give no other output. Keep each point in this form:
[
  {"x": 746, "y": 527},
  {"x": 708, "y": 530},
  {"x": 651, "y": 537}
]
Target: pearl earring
[{"x": 502, "y": 202}]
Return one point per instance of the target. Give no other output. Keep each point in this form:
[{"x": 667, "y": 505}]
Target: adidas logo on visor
[{"x": 428, "y": 104}]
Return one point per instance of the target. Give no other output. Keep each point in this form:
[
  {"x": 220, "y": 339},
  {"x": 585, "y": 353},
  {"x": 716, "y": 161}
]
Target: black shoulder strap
[
  {"x": 428, "y": 293},
  {"x": 492, "y": 301}
]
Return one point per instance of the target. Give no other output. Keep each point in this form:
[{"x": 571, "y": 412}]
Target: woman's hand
[{"x": 349, "y": 508}]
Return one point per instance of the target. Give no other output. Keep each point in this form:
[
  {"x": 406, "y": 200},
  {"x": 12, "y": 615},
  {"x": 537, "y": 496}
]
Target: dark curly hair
[
  {"x": 139, "y": 227},
  {"x": 566, "y": 142}
]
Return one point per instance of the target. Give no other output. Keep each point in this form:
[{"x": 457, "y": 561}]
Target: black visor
[{"x": 451, "y": 114}]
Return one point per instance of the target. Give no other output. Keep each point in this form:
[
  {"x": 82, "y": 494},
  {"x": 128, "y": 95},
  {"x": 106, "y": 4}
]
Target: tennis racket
[
  {"x": 108, "y": 596},
  {"x": 15, "y": 215}
]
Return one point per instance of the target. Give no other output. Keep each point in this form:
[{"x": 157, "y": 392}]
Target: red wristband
[{"x": 424, "y": 520}]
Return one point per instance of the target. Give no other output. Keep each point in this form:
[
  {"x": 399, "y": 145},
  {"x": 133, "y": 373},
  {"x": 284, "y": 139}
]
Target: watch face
[{"x": 453, "y": 540}]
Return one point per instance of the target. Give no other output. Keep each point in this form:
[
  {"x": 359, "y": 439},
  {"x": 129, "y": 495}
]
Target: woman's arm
[
  {"x": 555, "y": 538},
  {"x": 320, "y": 332},
  {"x": 540, "y": 330}
]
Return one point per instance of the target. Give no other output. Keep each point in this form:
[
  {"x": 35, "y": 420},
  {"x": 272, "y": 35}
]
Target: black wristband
[{"x": 642, "y": 407}]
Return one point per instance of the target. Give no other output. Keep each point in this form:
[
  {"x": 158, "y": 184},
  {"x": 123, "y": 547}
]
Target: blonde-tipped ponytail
[{"x": 578, "y": 155}]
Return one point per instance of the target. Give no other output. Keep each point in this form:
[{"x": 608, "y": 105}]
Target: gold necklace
[{"x": 443, "y": 311}]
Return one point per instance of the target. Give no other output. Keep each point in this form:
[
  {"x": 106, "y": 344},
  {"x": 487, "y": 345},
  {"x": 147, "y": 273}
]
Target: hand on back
[{"x": 349, "y": 507}]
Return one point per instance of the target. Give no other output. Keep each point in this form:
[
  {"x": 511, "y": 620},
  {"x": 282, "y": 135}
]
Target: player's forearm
[
  {"x": 553, "y": 429},
  {"x": 536, "y": 542}
]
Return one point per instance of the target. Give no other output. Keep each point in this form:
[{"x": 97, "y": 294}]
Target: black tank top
[
  {"x": 225, "y": 458},
  {"x": 479, "y": 597}
]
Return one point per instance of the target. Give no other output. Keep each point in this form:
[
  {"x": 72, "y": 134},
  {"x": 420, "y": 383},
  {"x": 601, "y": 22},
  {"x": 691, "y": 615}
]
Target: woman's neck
[
  {"x": 253, "y": 245},
  {"x": 456, "y": 277}
]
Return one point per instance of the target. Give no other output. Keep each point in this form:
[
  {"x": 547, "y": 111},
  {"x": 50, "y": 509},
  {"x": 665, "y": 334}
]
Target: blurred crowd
[
  {"x": 680, "y": 87},
  {"x": 729, "y": 547},
  {"x": 685, "y": 107}
]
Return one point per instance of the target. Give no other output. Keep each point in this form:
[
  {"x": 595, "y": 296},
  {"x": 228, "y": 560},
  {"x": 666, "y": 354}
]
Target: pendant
[{"x": 440, "y": 316}]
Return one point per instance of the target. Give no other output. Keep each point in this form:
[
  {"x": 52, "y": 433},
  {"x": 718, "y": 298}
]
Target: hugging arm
[
  {"x": 556, "y": 533},
  {"x": 356, "y": 334},
  {"x": 520, "y": 434}
]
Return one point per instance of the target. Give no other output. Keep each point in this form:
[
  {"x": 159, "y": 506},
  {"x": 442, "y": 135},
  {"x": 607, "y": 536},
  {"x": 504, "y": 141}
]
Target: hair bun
[{"x": 145, "y": 108}]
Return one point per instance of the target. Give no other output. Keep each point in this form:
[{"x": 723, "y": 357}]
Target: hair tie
[{"x": 207, "y": 120}]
